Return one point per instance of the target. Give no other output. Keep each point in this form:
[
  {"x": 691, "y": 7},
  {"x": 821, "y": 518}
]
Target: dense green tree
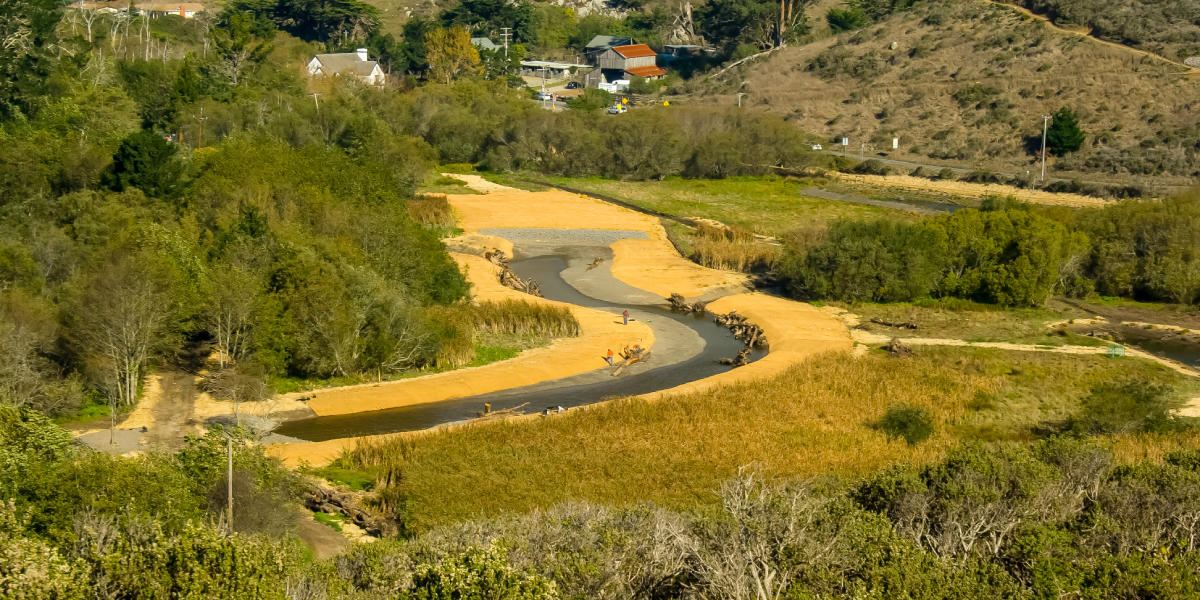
[
  {"x": 147, "y": 162},
  {"x": 1064, "y": 136},
  {"x": 488, "y": 17},
  {"x": 336, "y": 22},
  {"x": 27, "y": 33}
]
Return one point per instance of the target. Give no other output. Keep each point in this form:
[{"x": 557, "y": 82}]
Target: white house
[{"x": 349, "y": 64}]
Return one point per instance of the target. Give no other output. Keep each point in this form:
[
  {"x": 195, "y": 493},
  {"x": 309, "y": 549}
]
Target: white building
[{"x": 347, "y": 64}]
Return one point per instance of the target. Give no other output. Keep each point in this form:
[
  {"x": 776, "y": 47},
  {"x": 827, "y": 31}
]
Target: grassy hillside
[{"x": 966, "y": 83}]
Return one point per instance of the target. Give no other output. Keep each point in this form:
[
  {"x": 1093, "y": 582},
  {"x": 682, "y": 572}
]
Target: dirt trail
[
  {"x": 1185, "y": 69},
  {"x": 975, "y": 190},
  {"x": 866, "y": 338}
]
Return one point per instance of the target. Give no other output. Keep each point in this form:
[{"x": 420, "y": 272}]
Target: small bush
[
  {"x": 872, "y": 167},
  {"x": 1134, "y": 406},
  {"x": 845, "y": 20},
  {"x": 912, "y": 423}
]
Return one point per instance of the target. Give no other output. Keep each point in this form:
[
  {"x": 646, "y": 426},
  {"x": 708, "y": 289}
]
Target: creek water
[
  {"x": 1181, "y": 351},
  {"x": 577, "y": 390}
]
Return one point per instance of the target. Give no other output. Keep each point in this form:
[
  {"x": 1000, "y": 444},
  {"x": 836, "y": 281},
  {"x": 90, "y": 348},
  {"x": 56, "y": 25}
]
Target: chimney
[{"x": 362, "y": 54}]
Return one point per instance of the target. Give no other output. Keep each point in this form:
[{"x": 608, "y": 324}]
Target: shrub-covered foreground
[{"x": 985, "y": 522}]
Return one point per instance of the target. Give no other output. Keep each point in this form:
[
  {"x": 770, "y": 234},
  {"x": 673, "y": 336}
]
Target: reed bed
[
  {"x": 734, "y": 248},
  {"x": 746, "y": 257},
  {"x": 432, "y": 210},
  {"x": 811, "y": 421},
  {"x": 463, "y": 325}
]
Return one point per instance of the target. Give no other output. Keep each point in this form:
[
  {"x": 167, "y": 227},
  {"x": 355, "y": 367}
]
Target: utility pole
[
  {"x": 200, "y": 134},
  {"x": 229, "y": 481},
  {"x": 1045, "y": 128},
  {"x": 506, "y": 32},
  {"x": 740, "y": 94},
  {"x": 862, "y": 152}
]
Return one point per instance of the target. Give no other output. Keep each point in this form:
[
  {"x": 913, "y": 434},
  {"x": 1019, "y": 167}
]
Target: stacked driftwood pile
[
  {"x": 508, "y": 278},
  {"x": 679, "y": 304},
  {"x": 750, "y": 334},
  {"x": 742, "y": 329},
  {"x": 322, "y": 498}
]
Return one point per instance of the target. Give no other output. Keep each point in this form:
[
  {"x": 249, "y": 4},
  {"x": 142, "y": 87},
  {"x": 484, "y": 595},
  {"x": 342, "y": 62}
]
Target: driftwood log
[
  {"x": 680, "y": 304},
  {"x": 742, "y": 359},
  {"x": 508, "y": 278},
  {"x": 743, "y": 330},
  {"x": 322, "y": 498},
  {"x": 595, "y": 263},
  {"x": 899, "y": 325}
]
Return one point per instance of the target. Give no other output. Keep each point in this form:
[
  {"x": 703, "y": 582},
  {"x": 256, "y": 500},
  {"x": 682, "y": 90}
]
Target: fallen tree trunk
[{"x": 900, "y": 325}]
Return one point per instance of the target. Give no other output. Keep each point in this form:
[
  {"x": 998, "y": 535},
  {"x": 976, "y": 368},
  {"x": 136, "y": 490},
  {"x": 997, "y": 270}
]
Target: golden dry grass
[
  {"x": 814, "y": 420},
  {"x": 431, "y": 209}
]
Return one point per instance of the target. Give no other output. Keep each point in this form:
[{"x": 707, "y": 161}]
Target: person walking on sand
[
  {"x": 625, "y": 314},
  {"x": 609, "y": 357}
]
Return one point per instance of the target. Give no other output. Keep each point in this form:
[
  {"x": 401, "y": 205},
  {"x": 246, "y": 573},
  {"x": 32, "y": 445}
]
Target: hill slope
[{"x": 967, "y": 82}]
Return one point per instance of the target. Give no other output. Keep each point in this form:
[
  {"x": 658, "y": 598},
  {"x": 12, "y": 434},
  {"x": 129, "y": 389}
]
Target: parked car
[
  {"x": 573, "y": 85},
  {"x": 816, "y": 147},
  {"x": 617, "y": 109},
  {"x": 545, "y": 96}
]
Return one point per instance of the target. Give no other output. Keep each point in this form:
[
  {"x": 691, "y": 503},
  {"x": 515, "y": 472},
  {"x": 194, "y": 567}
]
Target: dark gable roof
[
  {"x": 608, "y": 41},
  {"x": 345, "y": 62}
]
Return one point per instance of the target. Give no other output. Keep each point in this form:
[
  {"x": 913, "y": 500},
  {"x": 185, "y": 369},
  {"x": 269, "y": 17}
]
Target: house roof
[
  {"x": 646, "y": 71},
  {"x": 346, "y": 62},
  {"x": 608, "y": 41},
  {"x": 169, "y": 6},
  {"x": 484, "y": 43},
  {"x": 634, "y": 51}
]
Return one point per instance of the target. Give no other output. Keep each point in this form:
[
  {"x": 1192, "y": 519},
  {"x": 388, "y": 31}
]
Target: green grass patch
[
  {"x": 355, "y": 479},
  {"x": 1040, "y": 387},
  {"x": 94, "y": 409},
  {"x": 440, "y": 184},
  {"x": 974, "y": 322},
  {"x": 333, "y": 520},
  {"x": 766, "y": 205}
]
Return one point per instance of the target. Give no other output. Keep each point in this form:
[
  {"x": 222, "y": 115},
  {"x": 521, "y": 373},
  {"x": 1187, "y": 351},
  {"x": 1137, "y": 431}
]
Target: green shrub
[
  {"x": 478, "y": 575},
  {"x": 913, "y": 424},
  {"x": 1134, "y": 406},
  {"x": 845, "y": 19},
  {"x": 872, "y": 166}
]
